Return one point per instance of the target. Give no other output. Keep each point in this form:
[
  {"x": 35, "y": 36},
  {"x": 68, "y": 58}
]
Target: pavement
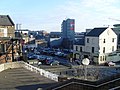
[{"x": 23, "y": 79}]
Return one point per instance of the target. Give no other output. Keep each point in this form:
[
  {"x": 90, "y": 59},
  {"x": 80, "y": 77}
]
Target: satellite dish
[{"x": 85, "y": 61}]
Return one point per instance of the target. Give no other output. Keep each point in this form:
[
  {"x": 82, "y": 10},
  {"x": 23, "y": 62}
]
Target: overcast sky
[{"x": 49, "y": 14}]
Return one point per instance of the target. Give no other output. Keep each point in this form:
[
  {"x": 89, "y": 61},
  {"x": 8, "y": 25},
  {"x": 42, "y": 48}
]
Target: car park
[{"x": 46, "y": 56}]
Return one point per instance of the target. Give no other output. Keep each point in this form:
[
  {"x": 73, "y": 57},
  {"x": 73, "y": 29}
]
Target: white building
[{"x": 97, "y": 45}]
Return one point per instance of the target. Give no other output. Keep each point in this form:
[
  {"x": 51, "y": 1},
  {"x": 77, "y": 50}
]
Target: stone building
[{"x": 7, "y": 39}]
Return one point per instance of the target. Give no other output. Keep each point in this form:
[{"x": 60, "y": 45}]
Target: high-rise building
[
  {"x": 68, "y": 28},
  {"x": 68, "y": 31}
]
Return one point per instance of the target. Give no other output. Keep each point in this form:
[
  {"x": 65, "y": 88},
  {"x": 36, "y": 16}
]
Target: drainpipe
[{"x": 12, "y": 51}]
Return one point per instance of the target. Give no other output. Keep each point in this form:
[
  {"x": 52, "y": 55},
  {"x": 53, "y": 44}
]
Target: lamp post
[
  {"x": 85, "y": 62},
  {"x": 25, "y": 56}
]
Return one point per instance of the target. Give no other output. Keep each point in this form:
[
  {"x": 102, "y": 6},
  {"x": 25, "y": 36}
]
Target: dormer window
[{"x": 104, "y": 41}]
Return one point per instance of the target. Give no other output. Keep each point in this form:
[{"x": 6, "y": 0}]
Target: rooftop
[
  {"x": 5, "y": 20},
  {"x": 96, "y": 31},
  {"x": 23, "y": 79}
]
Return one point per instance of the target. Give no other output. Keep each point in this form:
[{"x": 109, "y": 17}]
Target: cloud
[{"x": 87, "y": 14}]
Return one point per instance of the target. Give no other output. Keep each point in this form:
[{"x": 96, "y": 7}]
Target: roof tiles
[
  {"x": 96, "y": 31},
  {"x": 5, "y": 20}
]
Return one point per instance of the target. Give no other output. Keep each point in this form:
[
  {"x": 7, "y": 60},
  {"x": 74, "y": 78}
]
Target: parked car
[
  {"x": 110, "y": 64},
  {"x": 51, "y": 61},
  {"x": 41, "y": 59},
  {"x": 39, "y": 63},
  {"x": 31, "y": 56},
  {"x": 57, "y": 53},
  {"x": 38, "y": 53},
  {"x": 55, "y": 62},
  {"x": 78, "y": 62}
]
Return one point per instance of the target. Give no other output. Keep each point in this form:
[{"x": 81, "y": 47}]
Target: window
[
  {"x": 92, "y": 49},
  {"x": 100, "y": 58},
  {"x": 112, "y": 48},
  {"x": 104, "y": 41},
  {"x": 103, "y": 49},
  {"x": 103, "y": 58},
  {"x": 112, "y": 39},
  {"x": 76, "y": 48},
  {"x": 87, "y": 40},
  {"x": 80, "y": 49}
]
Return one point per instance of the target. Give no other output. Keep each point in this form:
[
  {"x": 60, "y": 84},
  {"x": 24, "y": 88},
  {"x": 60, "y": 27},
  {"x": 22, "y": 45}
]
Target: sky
[{"x": 48, "y": 14}]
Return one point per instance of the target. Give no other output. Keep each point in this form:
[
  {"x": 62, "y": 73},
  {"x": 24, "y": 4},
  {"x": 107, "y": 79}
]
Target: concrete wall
[
  {"x": 10, "y": 65},
  {"x": 19, "y": 64},
  {"x": 2, "y": 67}
]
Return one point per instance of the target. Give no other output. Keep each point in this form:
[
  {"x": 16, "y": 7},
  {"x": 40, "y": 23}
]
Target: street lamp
[
  {"x": 25, "y": 56},
  {"x": 85, "y": 62}
]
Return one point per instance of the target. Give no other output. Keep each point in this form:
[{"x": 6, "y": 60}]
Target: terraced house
[{"x": 7, "y": 28}]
